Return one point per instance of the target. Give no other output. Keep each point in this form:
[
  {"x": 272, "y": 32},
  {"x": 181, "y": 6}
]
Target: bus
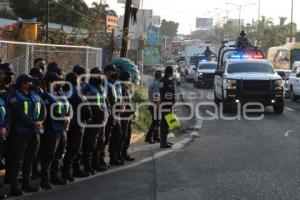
[{"x": 283, "y": 57}]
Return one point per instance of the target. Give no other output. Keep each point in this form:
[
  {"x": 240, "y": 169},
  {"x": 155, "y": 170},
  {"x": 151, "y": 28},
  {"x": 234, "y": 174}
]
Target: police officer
[
  {"x": 126, "y": 116},
  {"x": 56, "y": 126},
  {"x": 96, "y": 98},
  {"x": 113, "y": 128},
  {"x": 27, "y": 115},
  {"x": 243, "y": 42},
  {"x": 6, "y": 77},
  {"x": 208, "y": 53},
  {"x": 38, "y": 86},
  {"x": 76, "y": 131},
  {"x": 167, "y": 96}
]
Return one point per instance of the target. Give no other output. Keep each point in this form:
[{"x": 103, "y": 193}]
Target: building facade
[{"x": 112, "y": 21}]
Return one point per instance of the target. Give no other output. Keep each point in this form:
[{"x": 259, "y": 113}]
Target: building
[
  {"x": 204, "y": 23},
  {"x": 5, "y": 5},
  {"x": 112, "y": 21}
]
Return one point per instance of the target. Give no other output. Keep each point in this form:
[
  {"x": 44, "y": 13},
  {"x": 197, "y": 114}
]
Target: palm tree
[{"x": 99, "y": 12}]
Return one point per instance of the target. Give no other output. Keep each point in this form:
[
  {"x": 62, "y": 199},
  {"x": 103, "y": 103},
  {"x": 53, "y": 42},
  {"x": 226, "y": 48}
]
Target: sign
[
  {"x": 204, "y": 23},
  {"x": 151, "y": 51},
  {"x": 135, "y": 3}
]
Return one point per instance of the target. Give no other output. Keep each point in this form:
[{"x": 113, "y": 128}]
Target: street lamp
[{"x": 239, "y": 6}]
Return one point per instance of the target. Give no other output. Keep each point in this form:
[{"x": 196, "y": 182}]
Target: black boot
[
  {"x": 68, "y": 177},
  {"x": 30, "y": 189},
  {"x": 15, "y": 191},
  {"x": 45, "y": 183},
  {"x": 55, "y": 180}
]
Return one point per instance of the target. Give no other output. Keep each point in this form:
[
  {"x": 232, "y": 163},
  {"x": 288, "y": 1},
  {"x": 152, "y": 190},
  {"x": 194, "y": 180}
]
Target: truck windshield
[
  {"x": 250, "y": 68},
  {"x": 208, "y": 66}
]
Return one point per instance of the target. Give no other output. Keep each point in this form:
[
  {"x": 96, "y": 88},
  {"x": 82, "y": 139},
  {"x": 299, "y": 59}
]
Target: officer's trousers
[
  {"x": 164, "y": 130},
  {"x": 89, "y": 147},
  {"x": 115, "y": 141},
  {"x": 74, "y": 144},
  {"x": 99, "y": 153},
  {"x": 52, "y": 149},
  {"x": 153, "y": 132},
  {"x": 126, "y": 137},
  {"x": 23, "y": 152}
]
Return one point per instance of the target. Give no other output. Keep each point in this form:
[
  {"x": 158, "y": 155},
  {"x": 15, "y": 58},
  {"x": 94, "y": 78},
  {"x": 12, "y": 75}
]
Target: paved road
[{"x": 232, "y": 160}]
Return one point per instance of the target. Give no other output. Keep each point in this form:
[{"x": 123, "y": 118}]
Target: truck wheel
[
  {"x": 279, "y": 108},
  {"x": 293, "y": 96}
]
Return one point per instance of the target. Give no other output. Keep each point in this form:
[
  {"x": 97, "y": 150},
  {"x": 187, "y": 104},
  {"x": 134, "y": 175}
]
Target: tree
[
  {"x": 68, "y": 12},
  {"x": 169, "y": 28}
]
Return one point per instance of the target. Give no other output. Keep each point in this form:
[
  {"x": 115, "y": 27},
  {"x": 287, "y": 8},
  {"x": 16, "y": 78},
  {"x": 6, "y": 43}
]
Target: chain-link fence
[{"x": 22, "y": 55}]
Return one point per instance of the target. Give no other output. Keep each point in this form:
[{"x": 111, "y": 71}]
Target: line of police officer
[{"x": 40, "y": 122}]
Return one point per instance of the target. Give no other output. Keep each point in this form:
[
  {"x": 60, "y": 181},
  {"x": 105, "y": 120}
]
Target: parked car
[
  {"x": 295, "y": 81},
  {"x": 285, "y": 75},
  {"x": 205, "y": 74}
]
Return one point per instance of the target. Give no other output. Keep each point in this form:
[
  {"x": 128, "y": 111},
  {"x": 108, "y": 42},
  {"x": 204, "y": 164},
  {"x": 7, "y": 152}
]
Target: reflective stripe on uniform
[
  {"x": 98, "y": 100},
  {"x": 26, "y": 107},
  {"x": 59, "y": 108}
]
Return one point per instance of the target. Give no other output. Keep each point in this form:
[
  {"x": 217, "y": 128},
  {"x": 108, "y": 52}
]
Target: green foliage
[
  {"x": 169, "y": 28},
  {"x": 144, "y": 119},
  {"x": 7, "y": 14},
  {"x": 270, "y": 34},
  {"x": 28, "y": 9}
]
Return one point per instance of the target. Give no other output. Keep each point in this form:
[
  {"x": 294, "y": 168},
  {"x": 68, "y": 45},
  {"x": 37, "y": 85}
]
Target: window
[{"x": 250, "y": 68}]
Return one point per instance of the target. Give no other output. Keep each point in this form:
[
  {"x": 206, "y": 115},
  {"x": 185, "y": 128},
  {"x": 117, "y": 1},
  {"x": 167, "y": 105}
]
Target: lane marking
[
  {"x": 176, "y": 147},
  {"x": 289, "y": 109}
]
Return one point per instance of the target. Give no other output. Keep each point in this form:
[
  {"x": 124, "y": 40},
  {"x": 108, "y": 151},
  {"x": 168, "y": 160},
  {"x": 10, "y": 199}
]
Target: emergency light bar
[{"x": 244, "y": 56}]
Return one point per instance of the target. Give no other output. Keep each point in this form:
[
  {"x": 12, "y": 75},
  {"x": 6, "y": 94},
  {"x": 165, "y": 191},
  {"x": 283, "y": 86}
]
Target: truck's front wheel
[{"x": 278, "y": 108}]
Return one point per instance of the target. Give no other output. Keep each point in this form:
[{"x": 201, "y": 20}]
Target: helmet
[
  {"x": 23, "y": 78},
  {"x": 243, "y": 33},
  {"x": 79, "y": 70}
]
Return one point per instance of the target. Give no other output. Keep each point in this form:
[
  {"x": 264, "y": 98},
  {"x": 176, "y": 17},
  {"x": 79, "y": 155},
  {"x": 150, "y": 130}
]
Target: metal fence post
[
  {"x": 27, "y": 58},
  {"x": 87, "y": 58}
]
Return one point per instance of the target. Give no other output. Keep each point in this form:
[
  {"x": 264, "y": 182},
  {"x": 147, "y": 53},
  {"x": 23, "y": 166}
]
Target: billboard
[
  {"x": 135, "y": 3},
  {"x": 151, "y": 51},
  {"x": 204, "y": 23}
]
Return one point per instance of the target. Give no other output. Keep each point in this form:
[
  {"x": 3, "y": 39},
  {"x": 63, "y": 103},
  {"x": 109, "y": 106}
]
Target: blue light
[{"x": 236, "y": 56}]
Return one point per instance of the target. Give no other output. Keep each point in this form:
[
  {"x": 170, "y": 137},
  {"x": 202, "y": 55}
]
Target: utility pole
[
  {"x": 126, "y": 28},
  {"x": 258, "y": 27},
  {"x": 47, "y": 21},
  {"x": 292, "y": 21}
]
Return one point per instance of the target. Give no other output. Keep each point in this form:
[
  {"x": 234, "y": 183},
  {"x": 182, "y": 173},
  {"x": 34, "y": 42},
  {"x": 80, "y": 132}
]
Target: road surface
[{"x": 231, "y": 160}]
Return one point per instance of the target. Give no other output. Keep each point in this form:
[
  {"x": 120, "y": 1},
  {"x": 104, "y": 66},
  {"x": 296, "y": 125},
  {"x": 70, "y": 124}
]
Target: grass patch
[{"x": 143, "y": 119}]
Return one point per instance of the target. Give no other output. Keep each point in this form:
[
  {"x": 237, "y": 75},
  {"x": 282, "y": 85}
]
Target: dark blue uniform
[
  {"x": 114, "y": 125},
  {"x": 25, "y": 111},
  {"x": 167, "y": 97},
  {"x": 75, "y": 135},
  {"x": 54, "y": 140},
  {"x": 90, "y": 156}
]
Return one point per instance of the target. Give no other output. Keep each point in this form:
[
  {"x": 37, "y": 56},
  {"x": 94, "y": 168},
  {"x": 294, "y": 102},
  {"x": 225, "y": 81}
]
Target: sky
[{"x": 185, "y": 12}]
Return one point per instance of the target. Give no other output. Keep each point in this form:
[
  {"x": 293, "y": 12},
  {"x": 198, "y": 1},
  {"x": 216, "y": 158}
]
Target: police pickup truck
[{"x": 248, "y": 79}]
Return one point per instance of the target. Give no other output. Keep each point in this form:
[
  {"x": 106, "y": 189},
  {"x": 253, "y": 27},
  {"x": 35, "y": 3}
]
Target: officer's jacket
[
  {"x": 127, "y": 98},
  {"x": 114, "y": 93},
  {"x": 167, "y": 92},
  {"x": 243, "y": 43},
  {"x": 5, "y": 92},
  {"x": 85, "y": 112},
  {"x": 97, "y": 97},
  {"x": 25, "y": 111},
  {"x": 57, "y": 106}
]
